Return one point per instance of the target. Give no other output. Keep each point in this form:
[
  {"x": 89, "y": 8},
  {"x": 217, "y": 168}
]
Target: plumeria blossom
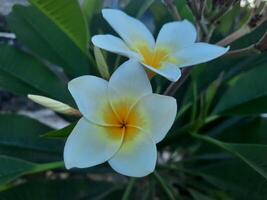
[
  {"x": 122, "y": 121},
  {"x": 174, "y": 48}
]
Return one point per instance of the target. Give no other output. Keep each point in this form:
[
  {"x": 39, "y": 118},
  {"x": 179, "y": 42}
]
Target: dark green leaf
[
  {"x": 184, "y": 10},
  {"x": 19, "y": 137},
  {"x": 24, "y": 75},
  {"x": 62, "y": 133},
  {"x": 12, "y": 168},
  {"x": 37, "y": 32},
  {"x": 90, "y": 8},
  {"x": 236, "y": 179},
  {"x": 242, "y": 131},
  {"x": 62, "y": 189},
  {"x": 198, "y": 196},
  {"x": 67, "y": 15},
  {"x": 247, "y": 94},
  {"x": 254, "y": 155},
  {"x": 137, "y": 8}
]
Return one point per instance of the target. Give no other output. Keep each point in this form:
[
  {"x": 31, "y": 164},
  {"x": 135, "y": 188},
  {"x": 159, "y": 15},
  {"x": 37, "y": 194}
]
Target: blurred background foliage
[{"x": 217, "y": 148}]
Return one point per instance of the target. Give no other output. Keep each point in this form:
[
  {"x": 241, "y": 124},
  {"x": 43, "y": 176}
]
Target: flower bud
[{"x": 54, "y": 105}]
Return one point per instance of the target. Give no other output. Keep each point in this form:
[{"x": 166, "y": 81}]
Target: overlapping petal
[
  {"x": 130, "y": 78},
  {"x": 157, "y": 114},
  {"x": 137, "y": 155},
  {"x": 91, "y": 96},
  {"x": 90, "y": 144},
  {"x": 131, "y": 30},
  {"x": 113, "y": 44},
  {"x": 176, "y": 35},
  {"x": 167, "y": 70},
  {"x": 198, "y": 53}
]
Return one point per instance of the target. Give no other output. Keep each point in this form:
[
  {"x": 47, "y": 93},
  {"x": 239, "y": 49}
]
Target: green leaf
[
  {"x": 62, "y": 133},
  {"x": 67, "y": 15},
  {"x": 254, "y": 155},
  {"x": 184, "y": 10},
  {"x": 19, "y": 137},
  {"x": 137, "y": 8},
  {"x": 198, "y": 196},
  {"x": 243, "y": 131},
  {"x": 70, "y": 189},
  {"x": 42, "y": 36},
  {"x": 251, "y": 38},
  {"x": 90, "y": 8},
  {"x": 165, "y": 186},
  {"x": 25, "y": 75},
  {"x": 246, "y": 95},
  {"x": 12, "y": 168},
  {"x": 236, "y": 179}
]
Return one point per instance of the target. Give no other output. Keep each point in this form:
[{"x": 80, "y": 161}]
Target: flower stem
[
  {"x": 129, "y": 188},
  {"x": 48, "y": 166},
  {"x": 164, "y": 185}
]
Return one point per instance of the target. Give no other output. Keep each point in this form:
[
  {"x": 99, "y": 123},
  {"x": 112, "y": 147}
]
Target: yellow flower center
[
  {"x": 153, "y": 58},
  {"x": 122, "y": 120}
]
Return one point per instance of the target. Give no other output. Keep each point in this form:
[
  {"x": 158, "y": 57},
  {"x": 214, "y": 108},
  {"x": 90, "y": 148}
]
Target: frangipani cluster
[
  {"x": 121, "y": 119},
  {"x": 174, "y": 48}
]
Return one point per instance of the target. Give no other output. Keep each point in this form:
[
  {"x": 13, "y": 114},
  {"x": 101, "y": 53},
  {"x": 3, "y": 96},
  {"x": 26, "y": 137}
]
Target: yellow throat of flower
[
  {"x": 153, "y": 58},
  {"x": 122, "y": 120}
]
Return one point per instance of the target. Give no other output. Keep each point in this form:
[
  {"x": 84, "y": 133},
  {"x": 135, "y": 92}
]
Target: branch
[
  {"x": 173, "y": 87},
  {"x": 243, "y": 52},
  {"x": 240, "y": 33},
  {"x": 172, "y": 9}
]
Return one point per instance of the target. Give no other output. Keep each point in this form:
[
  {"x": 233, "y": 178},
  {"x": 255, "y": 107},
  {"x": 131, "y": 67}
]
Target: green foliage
[
  {"x": 247, "y": 94},
  {"x": 67, "y": 15},
  {"x": 41, "y": 35},
  {"x": 61, "y": 189},
  {"x": 11, "y": 168},
  {"x": 222, "y": 101},
  {"x": 25, "y": 75},
  {"x": 20, "y": 137}
]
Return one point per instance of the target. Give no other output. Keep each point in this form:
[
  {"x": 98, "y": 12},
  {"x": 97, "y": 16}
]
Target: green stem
[
  {"x": 164, "y": 185},
  {"x": 129, "y": 188},
  {"x": 48, "y": 166}
]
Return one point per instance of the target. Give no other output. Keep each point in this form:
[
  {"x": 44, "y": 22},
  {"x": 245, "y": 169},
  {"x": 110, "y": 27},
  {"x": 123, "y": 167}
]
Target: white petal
[
  {"x": 90, "y": 145},
  {"x": 157, "y": 114},
  {"x": 176, "y": 35},
  {"x": 167, "y": 70},
  {"x": 130, "y": 81},
  {"x": 137, "y": 155},
  {"x": 131, "y": 30},
  {"x": 198, "y": 53},
  {"x": 91, "y": 96},
  {"x": 113, "y": 44}
]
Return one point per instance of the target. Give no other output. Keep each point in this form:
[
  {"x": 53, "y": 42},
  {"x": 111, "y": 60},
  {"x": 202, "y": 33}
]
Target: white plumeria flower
[
  {"x": 122, "y": 121},
  {"x": 174, "y": 48}
]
